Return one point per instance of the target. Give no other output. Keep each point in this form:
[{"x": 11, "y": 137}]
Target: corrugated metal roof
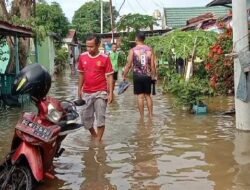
[
  {"x": 177, "y": 17},
  {"x": 9, "y": 29}
]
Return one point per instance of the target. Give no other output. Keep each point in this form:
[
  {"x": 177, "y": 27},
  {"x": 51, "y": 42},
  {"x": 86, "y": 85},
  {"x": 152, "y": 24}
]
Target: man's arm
[
  {"x": 153, "y": 67},
  {"x": 80, "y": 84},
  {"x": 129, "y": 64},
  {"x": 110, "y": 80}
]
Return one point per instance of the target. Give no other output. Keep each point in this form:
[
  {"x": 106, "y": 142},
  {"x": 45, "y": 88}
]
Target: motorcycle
[{"x": 38, "y": 136}]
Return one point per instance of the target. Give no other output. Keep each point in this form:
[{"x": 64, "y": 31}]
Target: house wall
[{"x": 46, "y": 54}]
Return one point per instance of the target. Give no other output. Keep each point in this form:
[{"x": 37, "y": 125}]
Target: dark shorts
[
  {"x": 142, "y": 84},
  {"x": 115, "y": 75}
]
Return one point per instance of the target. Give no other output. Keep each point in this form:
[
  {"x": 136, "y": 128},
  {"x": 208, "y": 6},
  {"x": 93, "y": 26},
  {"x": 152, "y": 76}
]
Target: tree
[
  {"x": 49, "y": 18},
  {"x": 87, "y": 18},
  {"x": 23, "y": 10},
  {"x": 133, "y": 23},
  {"x": 52, "y": 17},
  {"x": 136, "y": 22}
]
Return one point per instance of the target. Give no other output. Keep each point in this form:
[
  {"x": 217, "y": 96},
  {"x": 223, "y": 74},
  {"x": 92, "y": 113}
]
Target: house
[
  {"x": 72, "y": 44},
  {"x": 7, "y": 78},
  {"x": 178, "y": 17}
]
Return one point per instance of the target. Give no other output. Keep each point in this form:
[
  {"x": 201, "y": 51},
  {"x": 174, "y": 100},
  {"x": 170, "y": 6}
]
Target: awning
[
  {"x": 7, "y": 29},
  {"x": 219, "y": 3}
]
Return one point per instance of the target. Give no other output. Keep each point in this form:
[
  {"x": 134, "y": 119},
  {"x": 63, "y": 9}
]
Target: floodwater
[{"x": 174, "y": 151}]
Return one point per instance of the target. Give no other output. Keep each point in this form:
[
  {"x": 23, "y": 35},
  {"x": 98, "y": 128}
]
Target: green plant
[
  {"x": 187, "y": 93},
  {"x": 135, "y": 22},
  {"x": 193, "y": 92},
  {"x": 181, "y": 44},
  {"x": 61, "y": 59},
  {"x": 219, "y": 67},
  {"x": 122, "y": 59}
]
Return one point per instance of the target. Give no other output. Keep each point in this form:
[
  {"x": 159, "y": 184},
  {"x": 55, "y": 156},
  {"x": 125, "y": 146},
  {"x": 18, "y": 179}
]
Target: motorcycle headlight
[{"x": 53, "y": 114}]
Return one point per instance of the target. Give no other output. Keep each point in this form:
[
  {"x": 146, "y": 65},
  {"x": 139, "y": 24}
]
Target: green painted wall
[{"x": 46, "y": 54}]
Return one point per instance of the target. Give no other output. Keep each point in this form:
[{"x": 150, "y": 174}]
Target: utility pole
[
  {"x": 240, "y": 41},
  {"x": 112, "y": 19},
  {"x": 35, "y": 38},
  {"x": 101, "y": 1}
]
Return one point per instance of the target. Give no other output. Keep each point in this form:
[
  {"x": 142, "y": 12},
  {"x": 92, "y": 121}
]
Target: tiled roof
[{"x": 177, "y": 17}]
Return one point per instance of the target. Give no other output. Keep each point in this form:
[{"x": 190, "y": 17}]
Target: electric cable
[{"x": 141, "y": 6}]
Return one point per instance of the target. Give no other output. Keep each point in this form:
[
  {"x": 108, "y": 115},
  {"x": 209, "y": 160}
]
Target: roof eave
[
  {"x": 8, "y": 29},
  {"x": 224, "y": 3}
]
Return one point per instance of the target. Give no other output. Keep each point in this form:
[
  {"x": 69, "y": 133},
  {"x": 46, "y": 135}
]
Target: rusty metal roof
[{"x": 8, "y": 29}]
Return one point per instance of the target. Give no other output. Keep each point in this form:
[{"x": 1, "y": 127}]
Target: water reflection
[
  {"x": 96, "y": 169},
  {"x": 241, "y": 155},
  {"x": 145, "y": 170},
  {"x": 174, "y": 151}
]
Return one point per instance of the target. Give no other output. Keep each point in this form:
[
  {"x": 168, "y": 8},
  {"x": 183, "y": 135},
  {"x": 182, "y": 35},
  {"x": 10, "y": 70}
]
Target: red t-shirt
[{"x": 95, "y": 70}]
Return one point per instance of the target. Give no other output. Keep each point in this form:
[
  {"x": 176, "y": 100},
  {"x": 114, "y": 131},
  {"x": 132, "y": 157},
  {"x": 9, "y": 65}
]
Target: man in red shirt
[{"x": 95, "y": 86}]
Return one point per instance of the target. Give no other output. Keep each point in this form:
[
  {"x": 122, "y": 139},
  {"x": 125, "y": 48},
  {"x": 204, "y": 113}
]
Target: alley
[{"x": 174, "y": 151}]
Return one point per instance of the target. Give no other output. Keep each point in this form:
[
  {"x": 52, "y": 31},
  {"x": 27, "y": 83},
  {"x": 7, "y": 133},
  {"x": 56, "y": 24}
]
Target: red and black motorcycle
[{"x": 38, "y": 136}]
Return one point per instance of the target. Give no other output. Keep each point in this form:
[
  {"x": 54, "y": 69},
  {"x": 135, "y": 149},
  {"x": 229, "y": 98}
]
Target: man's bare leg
[
  {"x": 149, "y": 104},
  {"x": 113, "y": 87},
  {"x": 140, "y": 100},
  {"x": 93, "y": 132},
  {"x": 100, "y": 131}
]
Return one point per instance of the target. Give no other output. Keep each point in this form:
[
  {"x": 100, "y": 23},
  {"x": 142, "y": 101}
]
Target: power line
[
  {"x": 131, "y": 7},
  {"x": 140, "y": 6},
  {"x": 158, "y": 5},
  {"x": 121, "y": 6}
]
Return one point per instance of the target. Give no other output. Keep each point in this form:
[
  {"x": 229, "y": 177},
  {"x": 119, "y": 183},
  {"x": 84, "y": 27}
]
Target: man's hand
[
  {"x": 110, "y": 98},
  {"x": 124, "y": 78}
]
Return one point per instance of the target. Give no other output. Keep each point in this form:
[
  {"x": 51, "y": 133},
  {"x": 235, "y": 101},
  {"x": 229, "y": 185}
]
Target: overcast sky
[{"x": 132, "y": 6}]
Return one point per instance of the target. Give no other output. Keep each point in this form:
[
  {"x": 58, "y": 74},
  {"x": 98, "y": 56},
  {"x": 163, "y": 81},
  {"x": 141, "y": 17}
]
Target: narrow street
[{"x": 174, "y": 151}]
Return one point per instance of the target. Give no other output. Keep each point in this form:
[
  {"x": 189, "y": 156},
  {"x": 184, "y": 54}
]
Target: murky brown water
[{"x": 174, "y": 151}]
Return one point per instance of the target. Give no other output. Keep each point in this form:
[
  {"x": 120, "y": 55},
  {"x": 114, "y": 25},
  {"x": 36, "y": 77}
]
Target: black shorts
[
  {"x": 115, "y": 75},
  {"x": 142, "y": 84}
]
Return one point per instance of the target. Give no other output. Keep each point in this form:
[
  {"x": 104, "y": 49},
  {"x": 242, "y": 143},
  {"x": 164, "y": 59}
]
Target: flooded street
[{"x": 174, "y": 151}]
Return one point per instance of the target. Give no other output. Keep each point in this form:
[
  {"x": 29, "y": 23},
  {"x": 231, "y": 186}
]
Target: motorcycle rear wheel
[{"x": 15, "y": 178}]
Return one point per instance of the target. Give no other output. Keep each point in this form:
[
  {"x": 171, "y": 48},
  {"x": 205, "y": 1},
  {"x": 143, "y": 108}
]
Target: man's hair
[
  {"x": 94, "y": 37},
  {"x": 140, "y": 36}
]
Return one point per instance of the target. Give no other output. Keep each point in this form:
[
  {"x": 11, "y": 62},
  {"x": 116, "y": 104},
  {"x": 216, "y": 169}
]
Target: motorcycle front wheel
[{"x": 14, "y": 177}]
